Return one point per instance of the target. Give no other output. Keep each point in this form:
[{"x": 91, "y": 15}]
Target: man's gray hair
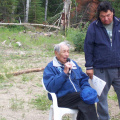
[{"x": 57, "y": 46}]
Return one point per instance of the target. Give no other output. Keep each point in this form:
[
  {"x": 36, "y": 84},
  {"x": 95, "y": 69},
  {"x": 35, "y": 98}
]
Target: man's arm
[
  {"x": 89, "y": 50},
  {"x": 52, "y": 80}
]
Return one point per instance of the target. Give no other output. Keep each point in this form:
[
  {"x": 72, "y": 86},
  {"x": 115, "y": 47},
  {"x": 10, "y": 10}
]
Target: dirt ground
[{"x": 19, "y": 90}]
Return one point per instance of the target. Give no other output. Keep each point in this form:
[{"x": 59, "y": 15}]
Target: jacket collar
[
  {"x": 57, "y": 64},
  {"x": 116, "y": 21}
]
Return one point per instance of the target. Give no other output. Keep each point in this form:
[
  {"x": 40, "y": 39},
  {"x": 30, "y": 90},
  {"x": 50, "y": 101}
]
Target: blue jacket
[
  {"x": 97, "y": 47},
  {"x": 55, "y": 80}
]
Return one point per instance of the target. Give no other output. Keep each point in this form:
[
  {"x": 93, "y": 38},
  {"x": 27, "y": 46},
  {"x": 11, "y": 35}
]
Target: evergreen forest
[{"x": 33, "y": 11}]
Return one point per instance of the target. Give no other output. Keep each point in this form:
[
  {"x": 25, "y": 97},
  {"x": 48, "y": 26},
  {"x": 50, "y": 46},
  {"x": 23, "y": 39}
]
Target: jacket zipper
[{"x": 72, "y": 84}]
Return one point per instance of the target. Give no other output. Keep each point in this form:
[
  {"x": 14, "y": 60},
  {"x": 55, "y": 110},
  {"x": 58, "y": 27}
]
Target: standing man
[
  {"x": 66, "y": 79},
  {"x": 102, "y": 53}
]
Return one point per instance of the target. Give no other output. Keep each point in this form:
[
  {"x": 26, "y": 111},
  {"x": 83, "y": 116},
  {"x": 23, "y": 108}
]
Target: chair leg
[{"x": 51, "y": 113}]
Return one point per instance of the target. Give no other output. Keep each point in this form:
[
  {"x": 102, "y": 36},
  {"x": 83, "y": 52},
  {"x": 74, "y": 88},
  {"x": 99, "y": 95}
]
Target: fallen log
[
  {"x": 31, "y": 24},
  {"x": 25, "y": 71}
]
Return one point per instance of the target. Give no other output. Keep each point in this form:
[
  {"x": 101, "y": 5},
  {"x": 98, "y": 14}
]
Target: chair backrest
[
  {"x": 55, "y": 104},
  {"x": 43, "y": 85}
]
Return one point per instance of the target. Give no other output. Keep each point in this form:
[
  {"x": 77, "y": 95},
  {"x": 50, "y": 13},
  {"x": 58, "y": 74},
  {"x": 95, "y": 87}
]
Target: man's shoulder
[
  {"x": 75, "y": 64},
  {"x": 93, "y": 24},
  {"x": 117, "y": 19},
  {"x": 50, "y": 64}
]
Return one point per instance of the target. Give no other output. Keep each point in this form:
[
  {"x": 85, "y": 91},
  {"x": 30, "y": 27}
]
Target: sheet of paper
[{"x": 97, "y": 84}]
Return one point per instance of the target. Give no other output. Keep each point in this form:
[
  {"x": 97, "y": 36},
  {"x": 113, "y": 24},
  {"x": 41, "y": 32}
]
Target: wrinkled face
[
  {"x": 63, "y": 54},
  {"x": 106, "y": 17}
]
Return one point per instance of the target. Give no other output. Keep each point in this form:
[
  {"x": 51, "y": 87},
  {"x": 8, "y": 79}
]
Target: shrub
[
  {"x": 79, "y": 41},
  {"x": 77, "y": 36}
]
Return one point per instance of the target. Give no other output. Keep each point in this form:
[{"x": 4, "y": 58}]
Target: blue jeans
[{"x": 112, "y": 77}]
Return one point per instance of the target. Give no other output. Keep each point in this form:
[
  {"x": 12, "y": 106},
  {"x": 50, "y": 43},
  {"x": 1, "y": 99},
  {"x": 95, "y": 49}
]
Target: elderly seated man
[{"x": 66, "y": 79}]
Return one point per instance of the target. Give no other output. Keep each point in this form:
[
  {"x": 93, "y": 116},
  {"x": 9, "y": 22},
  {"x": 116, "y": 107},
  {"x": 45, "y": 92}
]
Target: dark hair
[{"x": 104, "y": 6}]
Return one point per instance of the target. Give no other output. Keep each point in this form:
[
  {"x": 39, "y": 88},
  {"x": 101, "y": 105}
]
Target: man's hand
[
  {"x": 90, "y": 73},
  {"x": 68, "y": 66}
]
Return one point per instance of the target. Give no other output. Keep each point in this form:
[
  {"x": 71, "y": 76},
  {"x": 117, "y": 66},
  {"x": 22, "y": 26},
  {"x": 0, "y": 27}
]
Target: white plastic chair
[{"x": 58, "y": 112}]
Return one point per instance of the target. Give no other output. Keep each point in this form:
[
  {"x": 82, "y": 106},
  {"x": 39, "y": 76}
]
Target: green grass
[
  {"x": 16, "y": 103},
  {"x": 33, "y": 45},
  {"x": 26, "y": 78},
  {"x": 2, "y": 118},
  {"x": 5, "y": 85},
  {"x": 114, "y": 97},
  {"x": 66, "y": 117},
  {"x": 41, "y": 102},
  {"x": 39, "y": 85},
  {"x": 29, "y": 90},
  {"x": 28, "y": 41}
]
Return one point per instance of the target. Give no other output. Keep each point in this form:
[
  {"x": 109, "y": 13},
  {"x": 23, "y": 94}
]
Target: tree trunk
[
  {"x": 12, "y": 15},
  {"x": 67, "y": 8},
  {"x": 76, "y": 10},
  {"x": 46, "y": 6},
  {"x": 27, "y": 11}
]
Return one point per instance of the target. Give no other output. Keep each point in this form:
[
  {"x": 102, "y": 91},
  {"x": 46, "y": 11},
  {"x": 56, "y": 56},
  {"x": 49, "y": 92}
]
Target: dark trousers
[{"x": 73, "y": 101}]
